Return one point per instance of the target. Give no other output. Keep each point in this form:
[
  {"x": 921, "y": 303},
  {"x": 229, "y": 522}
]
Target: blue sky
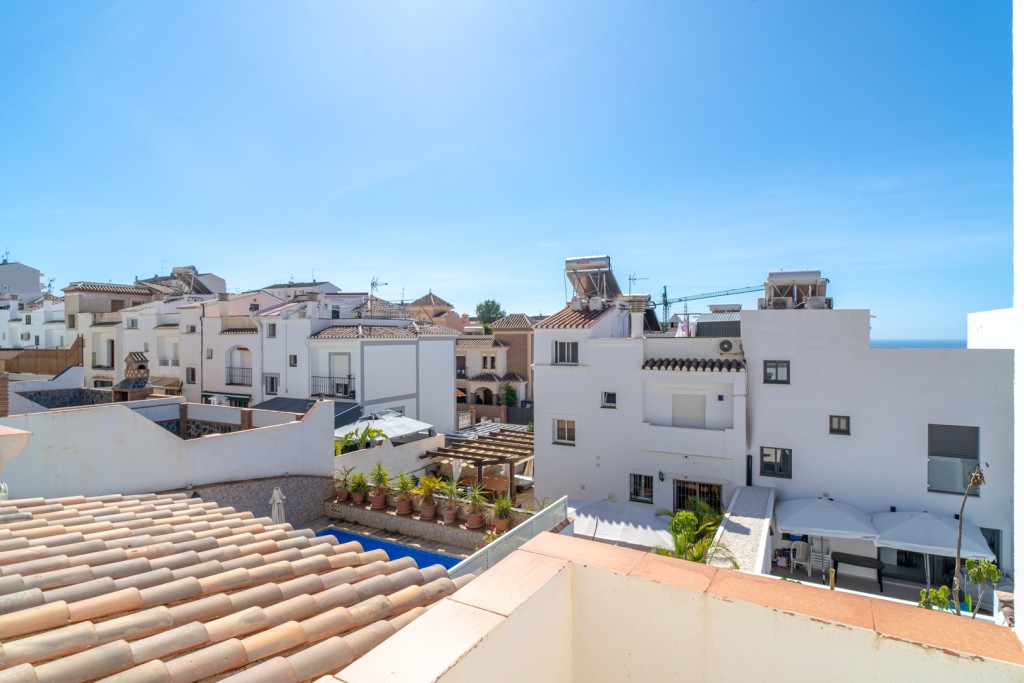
[{"x": 469, "y": 147}]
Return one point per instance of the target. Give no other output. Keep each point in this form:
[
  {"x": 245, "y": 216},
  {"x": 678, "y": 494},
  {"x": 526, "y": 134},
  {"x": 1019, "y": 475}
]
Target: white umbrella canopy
[
  {"x": 618, "y": 523},
  {"x": 823, "y": 517},
  {"x": 930, "y": 534}
]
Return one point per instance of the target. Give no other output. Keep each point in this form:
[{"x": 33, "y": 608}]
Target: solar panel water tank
[{"x": 591, "y": 276}]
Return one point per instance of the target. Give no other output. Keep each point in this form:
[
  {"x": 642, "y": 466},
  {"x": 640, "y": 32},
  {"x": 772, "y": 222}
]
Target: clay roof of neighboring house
[
  {"x": 695, "y": 364},
  {"x": 383, "y": 309},
  {"x": 140, "y": 307},
  {"x": 278, "y": 309},
  {"x": 513, "y": 321},
  {"x": 567, "y": 318},
  {"x": 430, "y": 329},
  {"x": 54, "y": 322},
  {"x": 364, "y": 332},
  {"x": 40, "y": 302},
  {"x": 166, "y": 326},
  {"x": 108, "y": 288},
  {"x": 137, "y": 357},
  {"x": 105, "y": 323},
  {"x": 478, "y": 342},
  {"x": 494, "y": 377},
  {"x": 239, "y": 330},
  {"x": 431, "y": 299},
  {"x": 166, "y": 587},
  {"x": 161, "y": 288}
]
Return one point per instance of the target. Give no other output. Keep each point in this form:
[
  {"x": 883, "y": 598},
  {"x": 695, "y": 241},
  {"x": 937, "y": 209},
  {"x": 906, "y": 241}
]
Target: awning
[
  {"x": 167, "y": 382},
  {"x": 240, "y": 397},
  {"x": 460, "y": 392},
  {"x": 823, "y": 517},
  {"x": 392, "y": 426}
]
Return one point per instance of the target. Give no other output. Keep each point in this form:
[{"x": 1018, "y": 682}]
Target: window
[
  {"x": 116, "y": 304},
  {"x": 190, "y": 375},
  {"x": 270, "y": 384},
  {"x": 608, "y": 399},
  {"x": 567, "y": 353},
  {"x": 209, "y": 354},
  {"x": 28, "y": 319},
  {"x": 776, "y": 372},
  {"x": 952, "y": 456},
  {"x": 37, "y": 340},
  {"x": 565, "y": 432},
  {"x": 777, "y": 462},
  {"x": 709, "y": 493},
  {"x": 102, "y": 383},
  {"x": 190, "y": 329},
  {"x": 293, "y": 361},
  {"x": 145, "y": 347},
  {"x": 641, "y": 488},
  {"x": 271, "y": 330},
  {"x": 335, "y": 313},
  {"x": 839, "y": 424},
  {"x": 133, "y": 323},
  {"x": 71, "y": 321}
]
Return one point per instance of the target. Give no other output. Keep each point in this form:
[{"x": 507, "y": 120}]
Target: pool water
[{"x": 423, "y": 558}]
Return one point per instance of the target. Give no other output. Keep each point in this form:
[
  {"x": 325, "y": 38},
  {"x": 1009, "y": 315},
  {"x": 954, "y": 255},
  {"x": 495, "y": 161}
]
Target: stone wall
[
  {"x": 304, "y": 496},
  {"x": 68, "y": 398},
  {"x": 198, "y": 428}
]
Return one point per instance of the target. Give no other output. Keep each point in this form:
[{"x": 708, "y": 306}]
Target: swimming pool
[{"x": 423, "y": 558}]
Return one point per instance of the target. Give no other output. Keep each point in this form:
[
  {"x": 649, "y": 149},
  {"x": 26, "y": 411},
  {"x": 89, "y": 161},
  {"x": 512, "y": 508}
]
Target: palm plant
[
  {"x": 380, "y": 478},
  {"x": 404, "y": 484},
  {"x": 428, "y": 485},
  {"x": 343, "y": 477},
  {"x": 693, "y": 534},
  {"x": 454, "y": 495},
  {"x": 476, "y": 497}
]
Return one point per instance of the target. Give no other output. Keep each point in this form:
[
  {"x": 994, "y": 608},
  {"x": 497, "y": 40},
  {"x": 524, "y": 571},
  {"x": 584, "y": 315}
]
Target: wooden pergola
[{"x": 504, "y": 447}]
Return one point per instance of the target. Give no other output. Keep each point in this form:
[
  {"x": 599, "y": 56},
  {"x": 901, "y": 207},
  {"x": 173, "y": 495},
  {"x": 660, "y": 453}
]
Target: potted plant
[
  {"x": 380, "y": 480},
  {"x": 428, "y": 504},
  {"x": 358, "y": 487},
  {"x": 476, "y": 499},
  {"x": 450, "y": 510},
  {"x": 503, "y": 513},
  {"x": 341, "y": 483},
  {"x": 404, "y": 484}
]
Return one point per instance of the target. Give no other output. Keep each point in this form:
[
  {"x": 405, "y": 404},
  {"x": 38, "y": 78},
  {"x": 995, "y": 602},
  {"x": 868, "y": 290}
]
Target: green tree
[
  {"x": 693, "y": 534},
  {"x": 488, "y": 311},
  {"x": 508, "y": 395}
]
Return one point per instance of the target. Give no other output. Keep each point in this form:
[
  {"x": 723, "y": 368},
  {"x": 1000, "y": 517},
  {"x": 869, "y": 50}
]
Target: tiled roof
[
  {"x": 513, "y": 321},
  {"x": 285, "y": 285},
  {"x": 694, "y": 364},
  {"x": 140, "y": 307},
  {"x": 107, "y": 288},
  {"x": 278, "y": 309},
  {"x": 54, "y": 322},
  {"x": 171, "y": 588},
  {"x": 132, "y": 383},
  {"x": 380, "y": 308},
  {"x": 239, "y": 330},
  {"x": 167, "y": 326},
  {"x": 137, "y": 357},
  {"x": 493, "y": 377},
  {"x": 430, "y": 329},
  {"x": 363, "y": 332},
  {"x": 161, "y": 288},
  {"x": 431, "y": 299},
  {"x": 105, "y": 323},
  {"x": 570, "y": 319},
  {"x": 40, "y": 302},
  {"x": 478, "y": 342}
]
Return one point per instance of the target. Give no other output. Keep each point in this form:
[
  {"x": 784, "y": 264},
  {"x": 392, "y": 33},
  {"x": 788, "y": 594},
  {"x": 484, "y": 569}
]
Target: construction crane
[{"x": 666, "y": 303}]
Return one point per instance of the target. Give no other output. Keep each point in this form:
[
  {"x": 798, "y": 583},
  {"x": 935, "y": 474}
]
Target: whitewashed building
[{"x": 797, "y": 401}]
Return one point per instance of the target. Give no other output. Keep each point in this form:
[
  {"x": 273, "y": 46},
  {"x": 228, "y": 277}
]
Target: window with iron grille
[
  {"x": 190, "y": 375},
  {"x": 777, "y": 462},
  {"x": 565, "y": 432},
  {"x": 953, "y": 453},
  {"x": 641, "y": 488},
  {"x": 567, "y": 353},
  {"x": 709, "y": 493},
  {"x": 776, "y": 372}
]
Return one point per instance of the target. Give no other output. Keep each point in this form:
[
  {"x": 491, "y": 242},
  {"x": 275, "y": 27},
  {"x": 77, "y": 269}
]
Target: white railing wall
[{"x": 492, "y": 553}]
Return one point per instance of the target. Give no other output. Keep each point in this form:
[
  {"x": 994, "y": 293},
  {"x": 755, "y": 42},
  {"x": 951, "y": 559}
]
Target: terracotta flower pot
[
  {"x": 502, "y": 524},
  {"x": 428, "y": 511},
  {"x": 403, "y": 506},
  {"x": 449, "y": 515},
  {"x": 342, "y": 495},
  {"x": 378, "y": 502},
  {"x": 358, "y": 497},
  {"x": 474, "y": 520}
]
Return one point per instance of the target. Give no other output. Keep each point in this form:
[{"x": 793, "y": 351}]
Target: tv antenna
[
  {"x": 633, "y": 278},
  {"x": 49, "y": 285},
  {"x": 7, "y": 254},
  {"x": 375, "y": 285}
]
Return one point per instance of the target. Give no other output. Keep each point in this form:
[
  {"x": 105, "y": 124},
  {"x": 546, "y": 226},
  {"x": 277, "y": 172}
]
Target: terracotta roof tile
[
  {"x": 513, "y": 321},
  {"x": 108, "y": 288},
  {"x": 137, "y": 596},
  {"x": 364, "y": 332},
  {"x": 431, "y": 299},
  {"x": 567, "y": 318},
  {"x": 695, "y": 364},
  {"x": 477, "y": 342}
]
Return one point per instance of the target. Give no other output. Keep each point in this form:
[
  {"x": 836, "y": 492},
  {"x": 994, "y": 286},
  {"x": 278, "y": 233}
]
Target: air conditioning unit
[
  {"x": 218, "y": 400},
  {"x": 817, "y": 302},
  {"x": 596, "y": 303},
  {"x": 726, "y": 346},
  {"x": 25, "y": 336},
  {"x": 780, "y": 303}
]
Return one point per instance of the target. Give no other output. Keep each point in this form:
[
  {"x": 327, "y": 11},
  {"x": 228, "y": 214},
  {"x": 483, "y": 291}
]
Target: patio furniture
[
  {"x": 800, "y": 553},
  {"x": 859, "y": 561}
]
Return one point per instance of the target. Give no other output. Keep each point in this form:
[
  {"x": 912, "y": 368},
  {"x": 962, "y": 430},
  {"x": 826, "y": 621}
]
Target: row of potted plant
[{"x": 379, "y": 483}]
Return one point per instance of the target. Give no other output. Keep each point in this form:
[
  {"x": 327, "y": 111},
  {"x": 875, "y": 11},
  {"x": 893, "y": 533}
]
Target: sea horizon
[{"x": 919, "y": 343}]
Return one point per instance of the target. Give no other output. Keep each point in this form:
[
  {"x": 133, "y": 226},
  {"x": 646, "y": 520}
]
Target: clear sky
[{"x": 469, "y": 147}]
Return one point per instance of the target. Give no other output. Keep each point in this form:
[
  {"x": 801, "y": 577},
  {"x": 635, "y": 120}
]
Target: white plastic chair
[{"x": 800, "y": 552}]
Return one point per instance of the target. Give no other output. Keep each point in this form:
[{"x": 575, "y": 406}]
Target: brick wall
[
  {"x": 519, "y": 354},
  {"x": 5, "y": 396}
]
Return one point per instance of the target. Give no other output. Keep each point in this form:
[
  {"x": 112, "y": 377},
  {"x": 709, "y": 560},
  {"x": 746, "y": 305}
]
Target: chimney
[
  {"x": 637, "y": 304},
  {"x": 5, "y": 396}
]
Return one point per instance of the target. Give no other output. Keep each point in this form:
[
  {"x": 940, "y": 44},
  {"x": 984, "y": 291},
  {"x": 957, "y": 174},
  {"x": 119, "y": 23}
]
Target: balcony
[
  {"x": 460, "y": 373},
  {"x": 342, "y": 387},
  {"x": 666, "y": 439},
  {"x": 238, "y": 376},
  {"x": 164, "y": 362}
]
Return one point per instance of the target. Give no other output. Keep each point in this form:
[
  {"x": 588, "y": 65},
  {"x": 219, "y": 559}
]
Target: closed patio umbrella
[
  {"x": 929, "y": 534},
  {"x": 277, "y": 506},
  {"x": 823, "y": 517}
]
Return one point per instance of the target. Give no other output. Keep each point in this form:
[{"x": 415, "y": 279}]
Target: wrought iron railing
[
  {"x": 238, "y": 376},
  {"x": 460, "y": 373},
  {"x": 342, "y": 387},
  {"x": 492, "y": 553}
]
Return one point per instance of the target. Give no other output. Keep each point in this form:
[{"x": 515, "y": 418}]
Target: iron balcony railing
[
  {"x": 343, "y": 387},
  {"x": 239, "y": 376},
  {"x": 460, "y": 373}
]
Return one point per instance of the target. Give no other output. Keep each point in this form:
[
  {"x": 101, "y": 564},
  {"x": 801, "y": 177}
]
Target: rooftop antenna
[
  {"x": 49, "y": 285},
  {"x": 7, "y": 254},
  {"x": 633, "y": 278},
  {"x": 162, "y": 265},
  {"x": 312, "y": 273},
  {"x": 374, "y": 287}
]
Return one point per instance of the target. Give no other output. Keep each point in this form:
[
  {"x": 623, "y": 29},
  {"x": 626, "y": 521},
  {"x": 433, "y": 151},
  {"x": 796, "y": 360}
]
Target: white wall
[
  {"x": 111, "y": 449},
  {"x": 891, "y": 396},
  {"x": 398, "y": 459},
  {"x": 991, "y": 330},
  {"x": 436, "y": 382},
  {"x": 1017, "y": 321}
]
